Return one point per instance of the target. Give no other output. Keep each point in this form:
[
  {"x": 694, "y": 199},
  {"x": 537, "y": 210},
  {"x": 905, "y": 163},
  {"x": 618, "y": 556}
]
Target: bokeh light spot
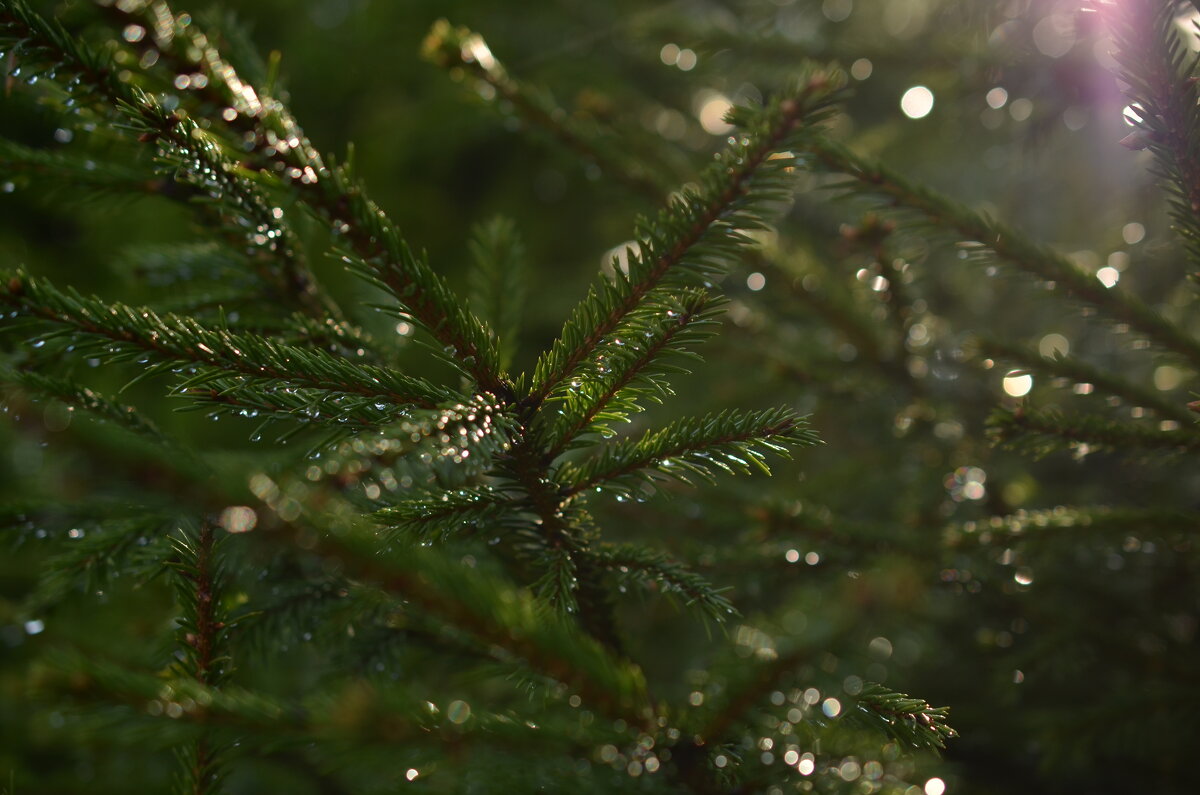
[
  {"x": 1053, "y": 345},
  {"x": 917, "y": 102},
  {"x": 1021, "y": 109},
  {"x": 711, "y": 108},
  {"x": 458, "y": 711},
  {"x": 1018, "y": 383},
  {"x": 1054, "y": 35},
  {"x": 1133, "y": 232},
  {"x": 238, "y": 519},
  {"x": 837, "y": 10},
  {"x": 1167, "y": 377}
]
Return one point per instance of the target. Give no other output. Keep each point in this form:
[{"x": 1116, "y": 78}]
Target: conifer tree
[{"x": 424, "y": 510}]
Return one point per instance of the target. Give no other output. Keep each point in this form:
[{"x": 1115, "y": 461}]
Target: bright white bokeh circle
[
  {"x": 917, "y": 102},
  {"x": 1017, "y": 383}
]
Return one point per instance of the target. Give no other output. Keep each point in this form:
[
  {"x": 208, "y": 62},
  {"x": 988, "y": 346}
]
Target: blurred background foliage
[{"x": 1064, "y": 640}]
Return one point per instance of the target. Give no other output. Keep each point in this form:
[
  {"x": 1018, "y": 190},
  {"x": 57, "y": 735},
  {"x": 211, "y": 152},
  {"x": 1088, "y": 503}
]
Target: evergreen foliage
[{"x": 480, "y": 572}]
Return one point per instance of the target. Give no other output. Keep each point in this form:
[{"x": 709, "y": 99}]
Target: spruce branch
[
  {"x": 234, "y": 297},
  {"x": 198, "y": 573},
  {"x": 592, "y": 591},
  {"x": 629, "y": 368},
  {"x": 555, "y": 539},
  {"x": 749, "y": 688},
  {"x": 240, "y": 206},
  {"x": 509, "y": 622},
  {"x": 446, "y": 515},
  {"x": 380, "y": 257},
  {"x": 701, "y": 230},
  {"x": 1083, "y": 522},
  {"x": 463, "y": 52},
  {"x": 39, "y": 47},
  {"x": 910, "y": 722},
  {"x": 655, "y": 569},
  {"x": 193, "y": 154},
  {"x": 180, "y": 43},
  {"x": 466, "y": 436},
  {"x": 907, "y": 720},
  {"x": 559, "y": 581},
  {"x": 459, "y": 429},
  {"x": 1043, "y": 431},
  {"x": 174, "y": 340},
  {"x": 561, "y": 536},
  {"x": 371, "y": 242},
  {"x": 732, "y": 442},
  {"x": 76, "y": 395},
  {"x": 243, "y": 312},
  {"x": 332, "y": 335},
  {"x": 204, "y": 627},
  {"x": 72, "y": 175},
  {"x": 232, "y": 397},
  {"x": 987, "y": 235},
  {"x": 218, "y": 703},
  {"x": 1158, "y": 71},
  {"x": 499, "y": 281},
  {"x": 1079, "y": 371},
  {"x": 769, "y": 50},
  {"x": 746, "y": 688},
  {"x": 177, "y": 265},
  {"x": 96, "y": 549},
  {"x": 333, "y": 723},
  {"x": 186, "y": 45},
  {"x": 872, "y": 234},
  {"x": 198, "y": 151},
  {"x": 833, "y": 301}
]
